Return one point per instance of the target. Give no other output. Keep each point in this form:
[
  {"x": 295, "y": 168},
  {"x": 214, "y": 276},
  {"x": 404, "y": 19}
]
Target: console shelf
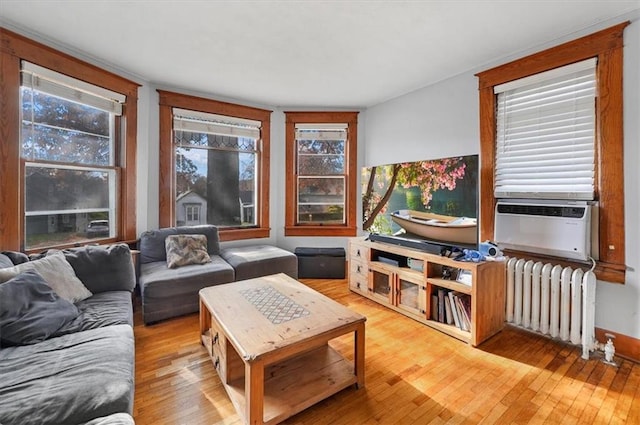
[{"x": 426, "y": 287}]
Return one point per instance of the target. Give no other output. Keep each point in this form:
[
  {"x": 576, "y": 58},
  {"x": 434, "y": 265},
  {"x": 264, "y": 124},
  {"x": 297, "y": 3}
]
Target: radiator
[{"x": 552, "y": 300}]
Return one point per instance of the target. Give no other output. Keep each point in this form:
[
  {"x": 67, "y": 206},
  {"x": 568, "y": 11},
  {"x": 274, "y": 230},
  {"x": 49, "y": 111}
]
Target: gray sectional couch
[
  {"x": 83, "y": 373},
  {"x": 170, "y": 292}
]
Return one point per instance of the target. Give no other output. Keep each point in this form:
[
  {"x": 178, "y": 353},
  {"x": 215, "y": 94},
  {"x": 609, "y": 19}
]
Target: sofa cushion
[
  {"x": 183, "y": 250},
  {"x": 103, "y": 268},
  {"x": 159, "y": 281},
  {"x": 260, "y": 260},
  {"x": 30, "y": 311},
  {"x": 152, "y": 247},
  {"x": 102, "y": 309},
  {"x": 57, "y": 273},
  {"x": 70, "y": 379}
]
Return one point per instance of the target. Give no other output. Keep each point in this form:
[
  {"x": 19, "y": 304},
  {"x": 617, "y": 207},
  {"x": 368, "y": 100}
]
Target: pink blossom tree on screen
[{"x": 428, "y": 176}]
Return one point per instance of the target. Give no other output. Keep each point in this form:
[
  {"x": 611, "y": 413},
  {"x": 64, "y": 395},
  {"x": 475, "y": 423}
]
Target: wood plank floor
[{"x": 414, "y": 375}]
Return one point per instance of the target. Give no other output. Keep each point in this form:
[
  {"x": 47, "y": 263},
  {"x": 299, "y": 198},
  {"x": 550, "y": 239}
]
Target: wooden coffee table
[{"x": 268, "y": 339}]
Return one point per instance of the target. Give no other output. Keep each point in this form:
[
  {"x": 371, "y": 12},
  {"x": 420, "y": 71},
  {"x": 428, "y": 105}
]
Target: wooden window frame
[
  {"x": 292, "y": 228},
  {"x": 13, "y": 49},
  {"x": 607, "y": 46},
  {"x": 167, "y": 207}
]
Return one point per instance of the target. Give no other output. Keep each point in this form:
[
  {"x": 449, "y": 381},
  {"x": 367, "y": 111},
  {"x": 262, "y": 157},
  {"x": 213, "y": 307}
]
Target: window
[
  {"x": 545, "y": 136},
  {"x": 193, "y": 214},
  {"x": 321, "y": 173},
  {"x": 71, "y": 149},
  {"x": 68, "y": 145},
  {"x": 604, "y": 51},
  {"x": 217, "y": 154}
]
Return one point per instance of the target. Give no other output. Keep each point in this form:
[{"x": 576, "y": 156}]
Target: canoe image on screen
[{"x": 462, "y": 230}]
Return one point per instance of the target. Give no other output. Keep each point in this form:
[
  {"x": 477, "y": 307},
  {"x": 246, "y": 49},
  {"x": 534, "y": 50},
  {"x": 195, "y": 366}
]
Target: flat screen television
[{"x": 430, "y": 205}]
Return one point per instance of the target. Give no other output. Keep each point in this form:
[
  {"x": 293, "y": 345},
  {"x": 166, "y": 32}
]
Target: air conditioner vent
[{"x": 542, "y": 210}]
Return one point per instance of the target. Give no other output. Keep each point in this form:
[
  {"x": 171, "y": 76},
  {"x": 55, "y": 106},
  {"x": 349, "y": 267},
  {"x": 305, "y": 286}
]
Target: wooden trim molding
[
  {"x": 607, "y": 47},
  {"x": 167, "y": 214},
  {"x": 13, "y": 49},
  {"x": 292, "y": 228}
]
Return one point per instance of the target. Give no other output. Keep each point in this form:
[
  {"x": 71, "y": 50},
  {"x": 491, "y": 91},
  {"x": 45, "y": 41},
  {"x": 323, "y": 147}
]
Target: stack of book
[{"x": 452, "y": 308}]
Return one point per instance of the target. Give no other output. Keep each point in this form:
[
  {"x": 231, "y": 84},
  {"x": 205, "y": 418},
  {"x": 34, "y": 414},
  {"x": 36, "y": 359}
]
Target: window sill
[
  {"x": 240, "y": 234},
  {"x": 319, "y": 231}
]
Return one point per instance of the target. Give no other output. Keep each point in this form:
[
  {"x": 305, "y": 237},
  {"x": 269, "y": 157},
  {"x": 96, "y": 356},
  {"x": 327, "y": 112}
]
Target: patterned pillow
[
  {"x": 57, "y": 273},
  {"x": 186, "y": 249}
]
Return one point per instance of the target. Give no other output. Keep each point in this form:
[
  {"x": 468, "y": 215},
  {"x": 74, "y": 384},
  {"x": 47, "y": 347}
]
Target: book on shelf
[
  {"x": 434, "y": 307},
  {"x": 454, "y": 310},
  {"x": 463, "y": 304},
  {"x": 457, "y": 308},
  {"x": 448, "y": 313},
  {"x": 441, "y": 312}
]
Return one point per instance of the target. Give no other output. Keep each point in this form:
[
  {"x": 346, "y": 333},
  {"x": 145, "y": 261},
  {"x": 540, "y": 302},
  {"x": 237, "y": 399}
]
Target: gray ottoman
[{"x": 260, "y": 260}]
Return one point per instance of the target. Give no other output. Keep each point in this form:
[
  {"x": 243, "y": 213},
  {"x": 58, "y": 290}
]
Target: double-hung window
[
  {"x": 321, "y": 173},
  {"x": 67, "y": 157},
  {"x": 214, "y": 154},
  {"x": 551, "y": 127},
  {"x": 68, "y": 145}
]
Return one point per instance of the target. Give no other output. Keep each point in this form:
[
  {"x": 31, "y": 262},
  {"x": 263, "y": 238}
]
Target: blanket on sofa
[{"x": 58, "y": 381}]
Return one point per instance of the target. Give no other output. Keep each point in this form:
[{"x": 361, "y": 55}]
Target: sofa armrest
[{"x": 103, "y": 268}]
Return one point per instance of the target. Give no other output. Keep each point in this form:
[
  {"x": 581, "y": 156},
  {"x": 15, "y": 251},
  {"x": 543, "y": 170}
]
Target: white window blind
[
  {"x": 329, "y": 131},
  {"x": 202, "y": 122},
  {"x": 63, "y": 86},
  {"x": 545, "y": 145}
]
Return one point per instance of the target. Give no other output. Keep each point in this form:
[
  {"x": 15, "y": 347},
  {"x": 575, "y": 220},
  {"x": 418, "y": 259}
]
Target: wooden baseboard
[{"x": 626, "y": 346}]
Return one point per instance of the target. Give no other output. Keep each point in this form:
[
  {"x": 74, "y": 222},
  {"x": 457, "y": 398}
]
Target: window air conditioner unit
[{"x": 557, "y": 228}]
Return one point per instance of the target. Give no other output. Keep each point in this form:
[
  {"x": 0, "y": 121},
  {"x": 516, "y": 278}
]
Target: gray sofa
[
  {"x": 170, "y": 292},
  {"x": 83, "y": 373}
]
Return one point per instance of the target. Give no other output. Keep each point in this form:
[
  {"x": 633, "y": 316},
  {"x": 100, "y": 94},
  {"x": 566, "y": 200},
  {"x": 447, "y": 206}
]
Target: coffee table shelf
[{"x": 295, "y": 384}]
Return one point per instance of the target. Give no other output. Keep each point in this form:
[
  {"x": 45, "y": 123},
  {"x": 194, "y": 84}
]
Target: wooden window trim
[
  {"x": 13, "y": 49},
  {"x": 291, "y": 227},
  {"x": 169, "y": 100},
  {"x": 607, "y": 46}
]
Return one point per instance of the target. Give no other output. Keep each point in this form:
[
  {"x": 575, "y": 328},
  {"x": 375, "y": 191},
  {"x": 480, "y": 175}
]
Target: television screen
[{"x": 433, "y": 200}]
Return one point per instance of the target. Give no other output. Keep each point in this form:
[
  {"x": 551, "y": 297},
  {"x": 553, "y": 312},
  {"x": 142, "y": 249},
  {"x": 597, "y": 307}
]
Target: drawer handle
[
  {"x": 358, "y": 253},
  {"x": 216, "y": 363},
  {"x": 358, "y": 285},
  {"x": 359, "y": 269},
  {"x": 215, "y": 338}
]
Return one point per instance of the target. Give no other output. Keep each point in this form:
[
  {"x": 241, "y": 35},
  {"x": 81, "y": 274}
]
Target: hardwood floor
[{"x": 414, "y": 375}]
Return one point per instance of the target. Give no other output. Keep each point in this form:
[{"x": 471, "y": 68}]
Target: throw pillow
[
  {"x": 57, "y": 273},
  {"x": 186, "y": 249},
  {"x": 30, "y": 311},
  {"x": 5, "y": 261}
]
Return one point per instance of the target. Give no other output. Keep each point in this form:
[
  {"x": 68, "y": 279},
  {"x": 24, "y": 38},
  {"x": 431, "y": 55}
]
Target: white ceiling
[{"x": 300, "y": 54}]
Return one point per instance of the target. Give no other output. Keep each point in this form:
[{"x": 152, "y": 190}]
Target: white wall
[
  {"x": 442, "y": 120},
  {"x": 437, "y": 121}
]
